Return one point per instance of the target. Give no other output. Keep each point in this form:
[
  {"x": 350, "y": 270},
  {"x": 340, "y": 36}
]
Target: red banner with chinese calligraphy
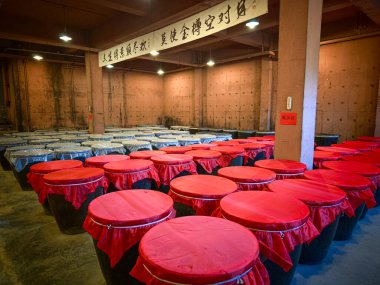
[{"x": 210, "y": 21}]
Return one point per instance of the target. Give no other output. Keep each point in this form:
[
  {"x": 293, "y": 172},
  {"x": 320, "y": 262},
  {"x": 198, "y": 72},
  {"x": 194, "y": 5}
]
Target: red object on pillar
[{"x": 288, "y": 118}]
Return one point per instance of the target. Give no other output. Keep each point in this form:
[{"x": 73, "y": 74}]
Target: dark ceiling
[{"x": 32, "y": 26}]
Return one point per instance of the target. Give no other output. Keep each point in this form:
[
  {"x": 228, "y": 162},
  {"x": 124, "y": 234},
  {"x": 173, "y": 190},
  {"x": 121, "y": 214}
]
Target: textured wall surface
[
  {"x": 47, "y": 95},
  {"x": 348, "y": 87}
]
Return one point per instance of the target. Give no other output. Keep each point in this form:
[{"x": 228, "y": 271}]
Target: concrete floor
[{"x": 33, "y": 251}]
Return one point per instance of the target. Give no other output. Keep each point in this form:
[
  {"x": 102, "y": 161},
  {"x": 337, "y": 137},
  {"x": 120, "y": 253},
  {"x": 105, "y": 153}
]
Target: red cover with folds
[
  {"x": 201, "y": 192},
  {"x": 197, "y": 250},
  {"x": 358, "y": 147},
  {"x": 369, "y": 139},
  {"x": 325, "y": 201},
  {"x": 248, "y": 177},
  {"x": 99, "y": 161},
  {"x": 37, "y": 171},
  {"x": 365, "y": 158},
  {"x": 227, "y": 143},
  {"x": 253, "y": 149},
  {"x": 118, "y": 220},
  {"x": 371, "y": 145},
  {"x": 207, "y": 159},
  {"x": 361, "y": 168},
  {"x": 75, "y": 184},
  {"x": 170, "y": 165},
  {"x": 341, "y": 150},
  {"x": 229, "y": 153},
  {"x": 357, "y": 187},
  {"x": 283, "y": 168},
  {"x": 145, "y": 154},
  {"x": 321, "y": 156},
  {"x": 204, "y": 146},
  {"x": 123, "y": 174},
  {"x": 176, "y": 149},
  {"x": 279, "y": 229}
]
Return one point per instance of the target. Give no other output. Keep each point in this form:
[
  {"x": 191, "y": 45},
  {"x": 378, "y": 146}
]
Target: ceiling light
[
  {"x": 210, "y": 62},
  {"x": 65, "y": 38},
  {"x": 154, "y": 53},
  {"x": 160, "y": 72},
  {"x": 252, "y": 24},
  {"x": 109, "y": 66},
  {"x": 38, "y": 57}
]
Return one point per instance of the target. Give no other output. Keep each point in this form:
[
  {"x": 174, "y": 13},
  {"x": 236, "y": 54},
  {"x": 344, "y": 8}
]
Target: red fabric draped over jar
[
  {"x": 279, "y": 229},
  {"x": 207, "y": 159},
  {"x": 326, "y": 202},
  {"x": 75, "y": 184},
  {"x": 99, "y": 161},
  {"x": 357, "y": 187},
  {"x": 248, "y": 177},
  {"x": 201, "y": 192},
  {"x": 123, "y": 174},
  {"x": 37, "y": 171},
  {"x": 170, "y": 165},
  {"x": 197, "y": 250},
  {"x": 229, "y": 153},
  {"x": 284, "y": 169},
  {"x": 118, "y": 220},
  {"x": 321, "y": 156}
]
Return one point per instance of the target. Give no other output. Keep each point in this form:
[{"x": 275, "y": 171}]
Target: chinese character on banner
[
  {"x": 116, "y": 54},
  {"x": 197, "y": 27},
  {"x": 241, "y": 8},
  {"x": 209, "y": 21},
  {"x": 143, "y": 45},
  {"x": 225, "y": 16},
  {"x": 163, "y": 39},
  {"x": 184, "y": 32},
  {"x": 110, "y": 56},
  {"x": 129, "y": 49},
  {"x": 104, "y": 57},
  {"x": 122, "y": 52},
  {"x": 173, "y": 35},
  {"x": 135, "y": 47}
]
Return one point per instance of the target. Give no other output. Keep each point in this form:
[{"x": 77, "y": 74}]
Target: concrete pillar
[
  {"x": 94, "y": 94},
  {"x": 300, "y": 28},
  {"x": 265, "y": 93}
]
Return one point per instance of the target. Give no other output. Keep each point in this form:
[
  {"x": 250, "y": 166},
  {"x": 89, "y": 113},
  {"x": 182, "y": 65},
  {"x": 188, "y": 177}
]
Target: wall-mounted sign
[
  {"x": 210, "y": 21},
  {"x": 288, "y": 118}
]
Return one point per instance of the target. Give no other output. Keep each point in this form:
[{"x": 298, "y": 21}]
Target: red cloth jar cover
[
  {"x": 145, "y": 154},
  {"x": 175, "y": 149},
  {"x": 269, "y": 147},
  {"x": 280, "y": 223},
  {"x": 75, "y": 184},
  {"x": 119, "y": 219},
  {"x": 369, "y": 139},
  {"x": 370, "y": 145},
  {"x": 284, "y": 168},
  {"x": 325, "y": 201},
  {"x": 99, "y": 161},
  {"x": 201, "y": 192},
  {"x": 198, "y": 250},
  {"x": 204, "y": 146},
  {"x": 242, "y": 141},
  {"x": 123, "y": 174},
  {"x": 357, "y": 187},
  {"x": 358, "y": 147},
  {"x": 229, "y": 153},
  {"x": 253, "y": 149},
  {"x": 170, "y": 165},
  {"x": 361, "y": 168},
  {"x": 260, "y": 139},
  {"x": 208, "y": 159},
  {"x": 247, "y": 177},
  {"x": 37, "y": 171},
  {"x": 341, "y": 150},
  {"x": 227, "y": 143},
  {"x": 366, "y": 158},
  {"x": 321, "y": 156}
]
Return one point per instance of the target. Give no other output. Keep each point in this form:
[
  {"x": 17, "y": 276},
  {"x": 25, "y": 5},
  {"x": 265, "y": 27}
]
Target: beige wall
[{"x": 47, "y": 95}]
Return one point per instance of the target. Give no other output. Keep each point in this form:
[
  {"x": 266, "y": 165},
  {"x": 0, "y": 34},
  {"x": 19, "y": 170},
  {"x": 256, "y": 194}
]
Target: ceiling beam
[
  {"x": 122, "y": 29},
  {"x": 42, "y": 41},
  {"x": 130, "y": 7},
  {"x": 369, "y": 7},
  {"x": 168, "y": 60}
]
